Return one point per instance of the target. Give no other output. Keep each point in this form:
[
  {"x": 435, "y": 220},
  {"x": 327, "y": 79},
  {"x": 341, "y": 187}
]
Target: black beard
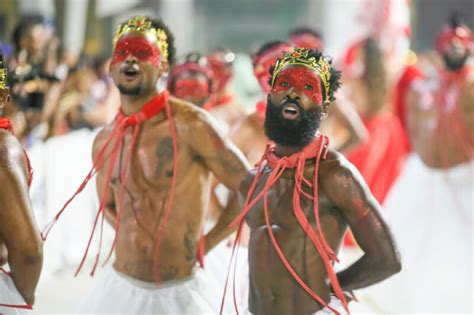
[
  {"x": 454, "y": 64},
  {"x": 299, "y": 132},
  {"x": 132, "y": 91}
]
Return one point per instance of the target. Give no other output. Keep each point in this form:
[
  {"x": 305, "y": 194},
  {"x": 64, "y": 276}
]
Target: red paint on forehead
[
  {"x": 446, "y": 37},
  {"x": 262, "y": 64},
  {"x": 191, "y": 89},
  {"x": 300, "y": 79},
  {"x": 137, "y": 46}
]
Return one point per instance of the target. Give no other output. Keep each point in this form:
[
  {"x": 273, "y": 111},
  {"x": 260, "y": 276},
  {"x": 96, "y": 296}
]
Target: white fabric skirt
[
  {"x": 10, "y": 295},
  {"x": 116, "y": 293},
  {"x": 430, "y": 213}
]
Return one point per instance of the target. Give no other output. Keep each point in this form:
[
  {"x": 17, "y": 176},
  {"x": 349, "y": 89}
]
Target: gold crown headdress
[
  {"x": 3, "y": 73},
  {"x": 142, "y": 25},
  {"x": 300, "y": 56}
]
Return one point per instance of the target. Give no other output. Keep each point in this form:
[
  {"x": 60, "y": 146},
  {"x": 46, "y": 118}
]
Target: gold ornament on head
[
  {"x": 300, "y": 56},
  {"x": 3, "y": 73},
  {"x": 142, "y": 25}
]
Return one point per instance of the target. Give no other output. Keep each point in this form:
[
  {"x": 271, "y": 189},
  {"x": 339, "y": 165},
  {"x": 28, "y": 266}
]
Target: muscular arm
[
  {"x": 17, "y": 224},
  {"x": 345, "y": 187},
  {"x": 228, "y": 164}
]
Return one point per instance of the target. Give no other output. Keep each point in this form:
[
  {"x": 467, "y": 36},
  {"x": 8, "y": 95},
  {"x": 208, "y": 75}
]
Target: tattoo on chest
[
  {"x": 164, "y": 154},
  {"x": 189, "y": 242}
]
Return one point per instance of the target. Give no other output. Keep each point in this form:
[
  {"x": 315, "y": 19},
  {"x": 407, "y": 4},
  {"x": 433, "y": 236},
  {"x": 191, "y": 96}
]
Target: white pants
[
  {"x": 116, "y": 293},
  {"x": 10, "y": 295}
]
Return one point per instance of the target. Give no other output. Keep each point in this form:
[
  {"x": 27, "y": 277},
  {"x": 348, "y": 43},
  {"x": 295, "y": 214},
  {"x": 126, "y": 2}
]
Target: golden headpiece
[
  {"x": 3, "y": 73},
  {"x": 142, "y": 25},
  {"x": 300, "y": 56}
]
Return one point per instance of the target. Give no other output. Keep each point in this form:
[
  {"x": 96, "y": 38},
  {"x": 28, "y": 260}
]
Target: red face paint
[
  {"x": 307, "y": 41},
  {"x": 302, "y": 80},
  {"x": 191, "y": 89},
  {"x": 222, "y": 71},
  {"x": 263, "y": 63},
  {"x": 446, "y": 37},
  {"x": 139, "y": 47}
]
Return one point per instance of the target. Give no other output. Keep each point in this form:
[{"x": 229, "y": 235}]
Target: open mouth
[
  {"x": 290, "y": 111},
  {"x": 130, "y": 72}
]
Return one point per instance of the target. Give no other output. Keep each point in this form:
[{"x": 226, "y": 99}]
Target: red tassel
[{"x": 317, "y": 149}]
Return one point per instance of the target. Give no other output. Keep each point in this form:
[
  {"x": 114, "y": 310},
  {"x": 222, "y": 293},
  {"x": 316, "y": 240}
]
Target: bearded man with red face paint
[
  {"x": 430, "y": 206},
  {"x": 20, "y": 241},
  {"x": 153, "y": 166},
  {"x": 192, "y": 80},
  {"x": 302, "y": 197}
]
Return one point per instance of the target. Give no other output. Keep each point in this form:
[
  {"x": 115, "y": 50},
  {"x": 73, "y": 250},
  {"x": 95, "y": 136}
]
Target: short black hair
[
  {"x": 334, "y": 81},
  {"x": 305, "y": 30},
  {"x": 22, "y": 27},
  {"x": 268, "y": 46},
  {"x": 158, "y": 23},
  {"x": 456, "y": 20}
]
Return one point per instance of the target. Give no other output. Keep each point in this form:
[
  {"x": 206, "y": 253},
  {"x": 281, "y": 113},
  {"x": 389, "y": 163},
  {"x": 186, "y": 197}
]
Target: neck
[
  {"x": 132, "y": 104},
  {"x": 284, "y": 150}
]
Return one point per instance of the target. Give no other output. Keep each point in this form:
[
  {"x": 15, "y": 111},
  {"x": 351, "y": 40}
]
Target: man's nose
[
  {"x": 131, "y": 58},
  {"x": 292, "y": 94}
]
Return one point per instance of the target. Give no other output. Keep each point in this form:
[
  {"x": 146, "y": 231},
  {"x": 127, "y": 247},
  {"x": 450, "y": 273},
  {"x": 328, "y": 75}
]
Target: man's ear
[
  {"x": 164, "y": 67},
  {"x": 326, "y": 108}
]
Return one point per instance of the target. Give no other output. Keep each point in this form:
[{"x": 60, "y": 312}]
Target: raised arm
[
  {"x": 17, "y": 224},
  {"x": 228, "y": 164},
  {"x": 345, "y": 187}
]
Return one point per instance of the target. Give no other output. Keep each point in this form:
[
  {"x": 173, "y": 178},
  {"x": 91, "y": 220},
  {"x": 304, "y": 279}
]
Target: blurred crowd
[{"x": 59, "y": 100}]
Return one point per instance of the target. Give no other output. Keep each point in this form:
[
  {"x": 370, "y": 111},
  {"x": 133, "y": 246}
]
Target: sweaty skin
[
  {"x": 448, "y": 148},
  {"x": 344, "y": 201},
  {"x": 20, "y": 241},
  {"x": 201, "y": 151}
]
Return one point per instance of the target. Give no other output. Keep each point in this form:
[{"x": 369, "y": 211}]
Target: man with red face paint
[
  {"x": 224, "y": 106},
  {"x": 301, "y": 199},
  {"x": 430, "y": 206},
  {"x": 20, "y": 241},
  {"x": 306, "y": 37},
  {"x": 192, "y": 80},
  {"x": 154, "y": 165}
]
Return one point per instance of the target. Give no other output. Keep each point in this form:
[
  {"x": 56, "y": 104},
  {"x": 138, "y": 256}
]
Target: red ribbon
[
  {"x": 109, "y": 153},
  {"x": 315, "y": 150}
]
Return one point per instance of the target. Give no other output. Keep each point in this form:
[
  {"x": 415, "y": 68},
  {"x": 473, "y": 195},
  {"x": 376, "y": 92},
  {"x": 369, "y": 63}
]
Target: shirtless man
[
  {"x": 20, "y": 241},
  {"x": 224, "y": 106},
  {"x": 280, "y": 250},
  {"x": 441, "y": 111},
  {"x": 171, "y": 148},
  {"x": 192, "y": 80}
]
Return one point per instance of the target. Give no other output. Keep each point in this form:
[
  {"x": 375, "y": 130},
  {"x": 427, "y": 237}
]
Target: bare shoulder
[
  {"x": 10, "y": 148},
  {"x": 101, "y": 138},
  {"x": 191, "y": 119},
  {"x": 247, "y": 182},
  {"x": 336, "y": 168}
]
